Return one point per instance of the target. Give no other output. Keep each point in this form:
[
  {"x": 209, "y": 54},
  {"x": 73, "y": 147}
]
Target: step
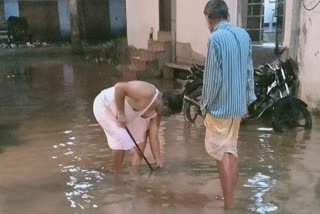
[
  {"x": 164, "y": 36},
  {"x": 149, "y": 55},
  {"x": 137, "y": 64},
  {"x": 128, "y": 74},
  {"x": 144, "y": 69},
  {"x": 156, "y": 45},
  {"x": 185, "y": 67}
]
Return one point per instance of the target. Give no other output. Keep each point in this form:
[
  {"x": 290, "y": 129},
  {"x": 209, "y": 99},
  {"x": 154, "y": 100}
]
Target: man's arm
[
  {"x": 136, "y": 90},
  {"x": 212, "y": 75},
  {"x": 251, "y": 97},
  {"x": 119, "y": 96},
  {"x": 154, "y": 139}
]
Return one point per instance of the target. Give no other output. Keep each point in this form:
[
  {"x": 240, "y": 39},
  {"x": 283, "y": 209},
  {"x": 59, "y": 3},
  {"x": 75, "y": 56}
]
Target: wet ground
[{"x": 54, "y": 157}]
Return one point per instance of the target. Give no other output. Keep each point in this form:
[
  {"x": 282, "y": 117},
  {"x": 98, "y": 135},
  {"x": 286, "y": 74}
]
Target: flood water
[{"x": 54, "y": 157}]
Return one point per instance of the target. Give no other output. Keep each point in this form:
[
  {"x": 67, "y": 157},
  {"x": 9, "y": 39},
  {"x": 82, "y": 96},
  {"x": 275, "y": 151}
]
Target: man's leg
[
  {"x": 228, "y": 170},
  {"x": 117, "y": 160}
]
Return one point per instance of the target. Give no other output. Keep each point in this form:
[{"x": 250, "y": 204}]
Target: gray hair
[{"x": 216, "y": 9}]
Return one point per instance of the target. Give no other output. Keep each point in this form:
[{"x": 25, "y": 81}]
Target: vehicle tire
[
  {"x": 288, "y": 112},
  {"x": 190, "y": 111}
]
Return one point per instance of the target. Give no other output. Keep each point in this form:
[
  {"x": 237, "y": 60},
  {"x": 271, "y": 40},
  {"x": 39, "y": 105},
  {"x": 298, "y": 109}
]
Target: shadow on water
[{"x": 8, "y": 136}]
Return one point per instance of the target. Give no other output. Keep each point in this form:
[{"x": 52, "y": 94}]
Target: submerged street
[{"x": 54, "y": 154}]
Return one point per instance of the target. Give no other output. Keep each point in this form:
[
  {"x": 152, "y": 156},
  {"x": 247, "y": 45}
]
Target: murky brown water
[{"x": 54, "y": 157}]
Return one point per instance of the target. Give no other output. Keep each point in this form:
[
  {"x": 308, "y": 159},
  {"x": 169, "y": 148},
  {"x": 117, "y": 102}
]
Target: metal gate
[{"x": 255, "y": 20}]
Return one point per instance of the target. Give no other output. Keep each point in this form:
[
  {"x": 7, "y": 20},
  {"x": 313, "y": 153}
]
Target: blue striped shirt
[{"x": 228, "y": 84}]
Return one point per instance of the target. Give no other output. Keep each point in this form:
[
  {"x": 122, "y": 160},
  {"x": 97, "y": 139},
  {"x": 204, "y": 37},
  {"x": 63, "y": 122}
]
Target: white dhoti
[{"x": 117, "y": 136}]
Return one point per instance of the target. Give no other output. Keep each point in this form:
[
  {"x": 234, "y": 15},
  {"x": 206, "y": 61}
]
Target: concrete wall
[
  {"x": 141, "y": 16},
  {"x": 11, "y": 8},
  {"x": 288, "y": 23},
  {"x": 2, "y": 16},
  {"x": 309, "y": 56},
  {"x": 192, "y": 29},
  {"x": 117, "y": 15},
  {"x": 302, "y": 38}
]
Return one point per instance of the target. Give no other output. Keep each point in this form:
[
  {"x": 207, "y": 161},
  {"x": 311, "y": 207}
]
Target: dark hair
[
  {"x": 173, "y": 100},
  {"x": 216, "y": 9}
]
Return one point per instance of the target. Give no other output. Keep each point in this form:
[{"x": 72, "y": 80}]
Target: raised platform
[{"x": 176, "y": 70}]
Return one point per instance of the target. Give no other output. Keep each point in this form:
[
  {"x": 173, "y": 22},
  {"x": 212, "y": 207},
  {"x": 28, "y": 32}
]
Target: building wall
[
  {"x": 2, "y": 16},
  {"x": 96, "y": 19},
  {"x": 309, "y": 56},
  {"x": 192, "y": 30},
  {"x": 302, "y": 39},
  {"x": 42, "y": 17},
  {"x": 141, "y": 16},
  {"x": 288, "y": 23},
  {"x": 117, "y": 15},
  {"x": 12, "y": 8}
]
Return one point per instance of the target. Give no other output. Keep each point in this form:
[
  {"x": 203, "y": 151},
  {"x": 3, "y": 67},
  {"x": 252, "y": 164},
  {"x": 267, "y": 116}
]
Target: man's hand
[{"x": 122, "y": 119}]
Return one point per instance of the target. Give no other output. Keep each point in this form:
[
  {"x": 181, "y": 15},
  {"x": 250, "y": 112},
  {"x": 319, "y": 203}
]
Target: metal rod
[{"x": 139, "y": 150}]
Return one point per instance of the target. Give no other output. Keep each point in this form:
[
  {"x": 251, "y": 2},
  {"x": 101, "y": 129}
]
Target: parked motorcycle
[
  {"x": 274, "y": 86},
  {"x": 192, "y": 93}
]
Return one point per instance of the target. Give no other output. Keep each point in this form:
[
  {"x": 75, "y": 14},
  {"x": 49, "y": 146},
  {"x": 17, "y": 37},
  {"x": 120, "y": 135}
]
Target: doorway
[
  {"x": 165, "y": 15},
  {"x": 96, "y": 23},
  {"x": 265, "y": 21},
  {"x": 42, "y": 18}
]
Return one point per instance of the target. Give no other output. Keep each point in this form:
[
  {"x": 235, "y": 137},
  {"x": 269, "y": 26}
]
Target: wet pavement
[{"x": 54, "y": 157}]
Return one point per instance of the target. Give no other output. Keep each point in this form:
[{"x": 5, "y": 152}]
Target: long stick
[{"x": 139, "y": 151}]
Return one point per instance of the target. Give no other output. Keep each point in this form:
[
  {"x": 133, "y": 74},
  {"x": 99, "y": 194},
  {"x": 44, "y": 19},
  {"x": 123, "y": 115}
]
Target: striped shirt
[{"x": 228, "y": 84}]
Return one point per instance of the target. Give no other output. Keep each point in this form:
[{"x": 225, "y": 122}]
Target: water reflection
[
  {"x": 262, "y": 183},
  {"x": 81, "y": 180},
  {"x": 60, "y": 160}
]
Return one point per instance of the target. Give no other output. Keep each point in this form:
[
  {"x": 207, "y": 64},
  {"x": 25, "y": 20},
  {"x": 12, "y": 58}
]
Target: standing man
[{"x": 228, "y": 89}]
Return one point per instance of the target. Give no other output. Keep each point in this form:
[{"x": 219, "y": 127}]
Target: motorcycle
[
  {"x": 192, "y": 93},
  {"x": 274, "y": 86}
]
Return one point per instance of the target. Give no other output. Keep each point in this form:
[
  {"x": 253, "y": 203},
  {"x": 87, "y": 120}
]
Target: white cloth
[{"x": 105, "y": 111}]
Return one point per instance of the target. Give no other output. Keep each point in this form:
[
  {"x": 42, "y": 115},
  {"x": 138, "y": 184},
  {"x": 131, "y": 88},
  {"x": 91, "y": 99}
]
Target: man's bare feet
[{"x": 220, "y": 198}]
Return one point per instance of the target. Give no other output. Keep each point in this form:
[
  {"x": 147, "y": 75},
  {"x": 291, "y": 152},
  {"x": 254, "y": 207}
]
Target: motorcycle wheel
[
  {"x": 190, "y": 111},
  {"x": 289, "y": 113}
]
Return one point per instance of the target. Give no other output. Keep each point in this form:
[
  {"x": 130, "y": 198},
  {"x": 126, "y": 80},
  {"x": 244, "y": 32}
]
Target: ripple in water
[
  {"x": 81, "y": 180},
  {"x": 261, "y": 184}
]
